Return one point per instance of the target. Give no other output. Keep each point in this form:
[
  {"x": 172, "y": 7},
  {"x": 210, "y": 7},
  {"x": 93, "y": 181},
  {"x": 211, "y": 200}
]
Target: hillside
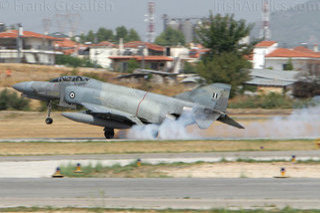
[{"x": 300, "y": 24}]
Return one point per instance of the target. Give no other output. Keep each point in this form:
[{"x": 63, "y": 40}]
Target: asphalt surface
[
  {"x": 79, "y": 140},
  {"x": 161, "y": 193}
]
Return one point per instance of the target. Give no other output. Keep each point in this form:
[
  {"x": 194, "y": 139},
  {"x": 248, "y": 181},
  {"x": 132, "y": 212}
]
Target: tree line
[
  {"x": 104, "y": 34},
  {"x": 170, "y": 37}
]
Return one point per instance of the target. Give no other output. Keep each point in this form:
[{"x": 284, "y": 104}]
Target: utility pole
[
  {"x": 19, "y": 43},
  {"x": 142, "y": 47},
  {"x": 151, "y": 21}
]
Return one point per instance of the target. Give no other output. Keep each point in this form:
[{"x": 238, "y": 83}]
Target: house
[
  {"x": 101, "y": 52},
  {"x": 34, "y": 48},
  {"x": 154, "y": 62},
  {"x": 260, "y": 51},
  {"x": 139, "y": 47},
  {"x": 267, "y": 55},
  {"x": 277, "y": 81},
  {"x": 149, "y": 55},
  {"x": 67, "y": 46},
  {"x": 301, "y": 59}
]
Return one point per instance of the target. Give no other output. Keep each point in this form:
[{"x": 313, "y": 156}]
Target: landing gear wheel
[
  {"x": 49, "y": 121},
  {"x": 109, "y": 133}
]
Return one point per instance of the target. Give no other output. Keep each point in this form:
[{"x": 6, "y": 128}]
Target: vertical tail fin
[
  {"x": 213, "y": 101},
  {"x": 214, "y": 96}
]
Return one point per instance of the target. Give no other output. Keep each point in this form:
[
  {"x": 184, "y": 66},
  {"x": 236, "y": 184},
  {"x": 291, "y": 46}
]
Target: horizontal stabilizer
[
  {"x": 205, "y": 117},
  {"x": 229, "y": 121}
]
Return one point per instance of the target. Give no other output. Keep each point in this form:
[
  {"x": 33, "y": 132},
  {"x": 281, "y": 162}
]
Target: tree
[
  {"x": 83, "y": 38},
  {"x": 228, "y": 68},
  {"x": 121, "y": 32},
  {"x": 133, "y": 36},
  {"x": 91, "y": 37},
  {"x": 224, "y": 34},
  {"x": 308, "y": 82},
  {"x": 74, "y": 61},
  {"x": 225, "y": 62},
  {"x": 170, "y": 37},
  {"x": 104, "y": 34},
  {"x": 133, "y": 65},
  {"x": 189, "y": 68},
  {"x": 289, "y": 65}
]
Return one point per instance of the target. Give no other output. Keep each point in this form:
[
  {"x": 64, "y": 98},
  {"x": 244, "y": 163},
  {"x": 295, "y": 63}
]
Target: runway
[
  {"x": 161, "y": 193},
  {"x": 96, "y": 139}
]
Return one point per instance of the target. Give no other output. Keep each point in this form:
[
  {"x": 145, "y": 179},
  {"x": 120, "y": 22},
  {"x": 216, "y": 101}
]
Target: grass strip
[{"x": 132, "y": 147}]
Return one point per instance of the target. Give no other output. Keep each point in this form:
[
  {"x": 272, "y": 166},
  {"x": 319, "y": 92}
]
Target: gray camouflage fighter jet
[{"x": 118, "y": 107}]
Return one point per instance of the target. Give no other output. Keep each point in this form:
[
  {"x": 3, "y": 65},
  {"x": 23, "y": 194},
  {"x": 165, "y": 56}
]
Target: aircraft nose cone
[{"x": 23, "y": 87}]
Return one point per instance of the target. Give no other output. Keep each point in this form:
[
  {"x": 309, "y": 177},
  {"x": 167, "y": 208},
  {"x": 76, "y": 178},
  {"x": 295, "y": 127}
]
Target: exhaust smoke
[
  {"x": 302, "y": 123},
  {"x": 170, "y": 129}
]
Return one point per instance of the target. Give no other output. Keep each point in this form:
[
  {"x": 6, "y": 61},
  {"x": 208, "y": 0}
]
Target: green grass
[
  {"x": 147, "y": 170},
  {"x": 128, "y": 171}
]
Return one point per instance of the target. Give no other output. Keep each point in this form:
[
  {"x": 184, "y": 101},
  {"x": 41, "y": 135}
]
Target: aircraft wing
[{"x": 109, "y": 113}]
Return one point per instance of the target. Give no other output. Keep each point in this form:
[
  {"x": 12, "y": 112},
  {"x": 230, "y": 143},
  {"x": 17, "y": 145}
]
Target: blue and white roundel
[{"x": 72, "y": 95}]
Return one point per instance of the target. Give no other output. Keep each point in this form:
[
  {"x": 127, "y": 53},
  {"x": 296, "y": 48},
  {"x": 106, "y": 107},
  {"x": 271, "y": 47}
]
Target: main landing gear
[
  {"x": 49, "y": 120},
  {"x": 108, "y": 133}
]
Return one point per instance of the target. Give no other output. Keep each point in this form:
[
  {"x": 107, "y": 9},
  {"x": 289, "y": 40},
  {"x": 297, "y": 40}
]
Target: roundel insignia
[{"x": 72, "y": 95}]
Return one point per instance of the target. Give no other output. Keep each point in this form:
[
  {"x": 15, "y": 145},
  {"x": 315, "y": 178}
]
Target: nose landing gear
[
  {"x": 49, "y": 120},
  {"x": 108, "y": 133}
]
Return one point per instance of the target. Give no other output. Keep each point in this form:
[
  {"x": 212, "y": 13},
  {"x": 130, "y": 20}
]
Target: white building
[
  {"x": 101, "y": 52},
  {"x": 260, "y": 51},
  {"x": 301, "y": 58},
  {"x": 34, "y": 48}
]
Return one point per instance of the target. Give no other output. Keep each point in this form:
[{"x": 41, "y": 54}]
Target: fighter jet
[{"x": 117, "y": 107}]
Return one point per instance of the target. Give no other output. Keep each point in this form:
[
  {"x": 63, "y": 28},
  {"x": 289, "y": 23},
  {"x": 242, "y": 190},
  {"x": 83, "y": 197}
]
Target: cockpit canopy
[{"x": 70, "y": 79}]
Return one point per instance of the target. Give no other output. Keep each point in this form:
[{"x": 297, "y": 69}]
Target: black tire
[
  {"x": 109, "y": 133},
  {"x": 49, "y": 121}
]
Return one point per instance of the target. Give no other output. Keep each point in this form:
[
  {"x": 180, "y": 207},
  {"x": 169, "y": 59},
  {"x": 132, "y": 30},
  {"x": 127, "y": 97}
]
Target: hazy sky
[{"x": 91, "y": 14}]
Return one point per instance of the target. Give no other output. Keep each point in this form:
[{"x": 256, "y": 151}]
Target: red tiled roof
[
  {"x": 303, "y": 49},
  {"x": 287, "y": 53},
  {"x": 265, "y": 43},
  {"x": 69, "y": 51},
  {"x": 136, "y": 44},
  {"x": 26, "y": 34},
  {"x": 67, "y": 43},
  {"x": 104, "y": 44},
  {"x": 140, "y": 58}
]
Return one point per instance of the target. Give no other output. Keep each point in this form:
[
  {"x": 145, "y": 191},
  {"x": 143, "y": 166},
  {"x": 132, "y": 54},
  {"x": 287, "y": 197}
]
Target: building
[
  {"x": 140, "y": 47},
  {"x": 260, "y": 51},
  {"x": 149, "y": 55},
  {"x": 159, "y": 63},
  {"x": 277, "y": 81},
  {"x": 100, "y": 53},
  {"x": 301, "y": 60},
  {"x": 67, "y": 46},
  {"x": 34, "y": 48},
  {"x": 267, "y": 55}
]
